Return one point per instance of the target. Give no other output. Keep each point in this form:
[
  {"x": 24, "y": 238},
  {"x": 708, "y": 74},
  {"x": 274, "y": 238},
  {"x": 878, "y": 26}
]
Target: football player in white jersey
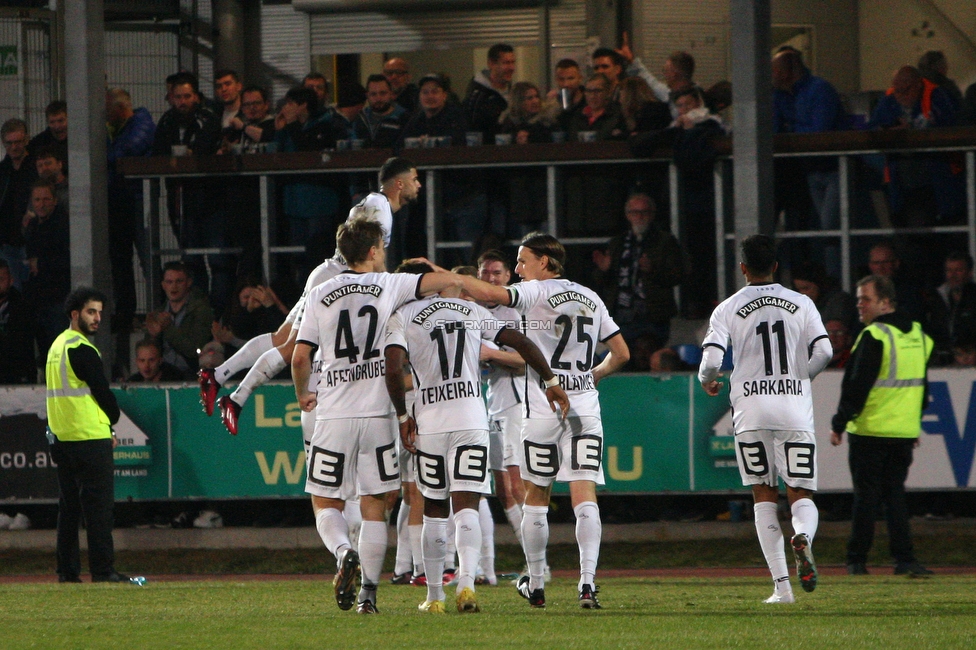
[
  {"x": 506, "y": 370},
  {"x": 779, "y": 345},
  {"x": 352, "y": 450},
  {"x": 448, "y": 430},
  {"x": 271, "y": 353},
  {"x": 567, "y": 321}
]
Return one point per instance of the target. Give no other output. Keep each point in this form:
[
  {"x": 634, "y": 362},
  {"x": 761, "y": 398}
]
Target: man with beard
[
  {"x": 81, "y": 410},
  {"x": 381, "y": 121}
]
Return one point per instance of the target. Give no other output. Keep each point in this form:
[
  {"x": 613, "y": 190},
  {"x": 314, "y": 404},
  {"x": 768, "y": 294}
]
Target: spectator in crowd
[
  {"x": 524, "y": 118},
  {"x": 667, "y": 360},
  {"x": 833, "y": 303},
  {"x": 317, "y": 83},
  {"x": 964, "y": 354},
  {"x": 611, "y": 65},
  {"x": 150, "y": 364},
  {"x": 914, "y": 102},
  {"x": 382, "y": 120},
  {"x": 200, "y": 218},
  {"x": 131, "y": 132},
  {"x": 804, "y": 103},
  {"x": 641, "y": 109},
  {"x": 17, "y": 174},
  {"x": 258, "y": 310},
  {"x": 227, "y": 89},
  {"x": 678, "y": 71},
  {"x": 883, "y": 260},
  {"x": 49, "y": 259},
  {"x": 568, "y": 77},
  {"x": 349, "y": 104},
  {"x": 600, "y": 113},
  {"x": 56, "y": 133},
  {"x": 436, "y": 117},
  {"x": 182, "y": 326},
  {"x": 256, "y": 124},
  {"x": 17, "y": 362},
  {"x": 310, "y": 204},
  {"x": 934, "y": 66},
  {"x": 405, "y": 92},
  {"x": 637, "y": 274},
  {"x": 488, "y": 93},
  {"x": 951, "y": 308},
  {"x": 50, "y": 167},
  {"x": 841, "y": 341}
]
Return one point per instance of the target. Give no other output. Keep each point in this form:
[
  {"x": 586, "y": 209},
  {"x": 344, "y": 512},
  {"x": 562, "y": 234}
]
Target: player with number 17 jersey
[
  {"x": 773, "y": 330},
  {"x": 346, "y": 319},
  {"x": 566, "y": 320}
]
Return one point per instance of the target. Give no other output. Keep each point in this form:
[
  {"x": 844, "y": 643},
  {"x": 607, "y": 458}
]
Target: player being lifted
[
  {"x": 352, "y": 450},
  {"x": 780, "y": 345},
  {"x": 566, "y": 321},
  {"x": 268, "y": 354},
  {"x": 448, "y": 430}
]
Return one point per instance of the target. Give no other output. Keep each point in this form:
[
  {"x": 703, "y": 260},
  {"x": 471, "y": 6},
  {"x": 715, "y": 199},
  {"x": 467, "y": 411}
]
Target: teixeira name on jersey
[
  {"x": 348, "y": 289},
  {"x": 772, "y": 387},
  {"x": 766, "y": 301},
  {"x": 430, "y": 309},
  {"x": 572, "y": 382},
  {"x": 447, "y": 392},
  {"x": 567, "y": 296}
]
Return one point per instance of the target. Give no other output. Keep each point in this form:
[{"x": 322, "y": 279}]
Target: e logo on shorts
[
  {"x": 541, "y": 460},
  {"x": 386, "y": 461},
  {"x": 430, "y": 471},
  {"x": 754, "y": 459},
  {"x": 326, "y": 467},
  {"x": 471, "y": 463},
  {"x": 587, "y": 453}
]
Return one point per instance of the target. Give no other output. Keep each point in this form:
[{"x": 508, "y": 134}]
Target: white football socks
[
  {"x": 417, "y": 548},
  {"x": 372, "y": 551},
  {"x": 468, "y": 543},
  {"x": 514, "y": 516},
  {"x": 264, "y": 369},
  {"x": 771, "y": 541},
  {"x": 435, "y": 548},
  {"x": 806, "y": 518},
  {"x": 404, "y": 556},
  {"x": 589, "y": 530},
  {"x": 535, "y": 538},
  {"x": 487, "y": 541},
  {"x": 243, "y": 358},
  {"x": 449, "y": 564},
  {"x": 333, "y": 530},
  {"x": 354, "y": 518}
]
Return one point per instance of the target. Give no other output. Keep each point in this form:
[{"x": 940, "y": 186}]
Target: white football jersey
[
  {"x": 566, "y": 320},
  {"x": 505, "y": 389},
  {"x": 772, "y": 331},
  {"x": 377, "y": 207},
  {"x": 321, "y": 273},
  {"x": 442, "y": 337},
  {"x": 345, "y": 318}
]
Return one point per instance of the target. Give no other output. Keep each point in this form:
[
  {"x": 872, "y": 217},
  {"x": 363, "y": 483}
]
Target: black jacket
[
  {"x": 17, "y": 362},
  {"x": 483, "y": 106},
  {"x": 861, "y": 371},
  {"x": 49, "y": 243},
  {"x": 201, "y": 132},
  {"x": 15, "y": 190},
  {"x": 88, "y": 367},
  {"x": 450, "y": 121}
]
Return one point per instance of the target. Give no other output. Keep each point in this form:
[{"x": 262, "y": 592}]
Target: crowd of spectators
[{"x": 214, "y": 297}]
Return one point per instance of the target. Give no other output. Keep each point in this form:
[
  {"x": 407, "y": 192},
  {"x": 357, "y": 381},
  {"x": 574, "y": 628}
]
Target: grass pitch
[{"x": 853, "y": 612}]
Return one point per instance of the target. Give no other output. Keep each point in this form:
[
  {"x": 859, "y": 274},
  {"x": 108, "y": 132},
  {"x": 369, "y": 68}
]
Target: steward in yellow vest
[
  {"x": 882, "y": 398},
  {"x": 80, "y": 411}
]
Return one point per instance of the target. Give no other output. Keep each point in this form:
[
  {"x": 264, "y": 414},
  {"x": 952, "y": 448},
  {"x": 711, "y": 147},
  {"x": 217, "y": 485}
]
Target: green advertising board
[{"x": 658, "y": 438}]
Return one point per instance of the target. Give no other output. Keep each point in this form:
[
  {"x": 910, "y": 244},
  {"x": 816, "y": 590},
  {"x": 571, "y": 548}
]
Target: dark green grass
[{"x": 862, "y": 612}]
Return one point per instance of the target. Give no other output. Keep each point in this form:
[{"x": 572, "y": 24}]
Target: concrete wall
[{"x": 894, "y": 33}]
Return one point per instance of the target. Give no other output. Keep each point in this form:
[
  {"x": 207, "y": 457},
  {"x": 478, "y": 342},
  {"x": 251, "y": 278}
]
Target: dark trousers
[
  {"x": 86, "y": 478},
  {"x": 879, "y": 467}
]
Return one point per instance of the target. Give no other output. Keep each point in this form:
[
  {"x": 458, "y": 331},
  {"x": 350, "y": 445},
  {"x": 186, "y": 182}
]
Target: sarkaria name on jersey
[
  {"x": 446, "y": 392},
  {"x": 572, "y": 382},
  {"x": 570, "y": 296},
  {"x": 430, "y": 309},
  {"x": 772, "y": 387},
  {"x": 349, "y": 289},
  {"x": 369, "y": 370},
  {"x": 766, "y": 301}
]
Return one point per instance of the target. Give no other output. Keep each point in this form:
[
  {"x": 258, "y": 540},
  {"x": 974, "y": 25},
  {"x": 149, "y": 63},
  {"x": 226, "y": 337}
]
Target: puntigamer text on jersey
[
  {"x": 369, "y": 289},
  {"x": 567, "y": 296},
  {"x": 766, "y": 301}
]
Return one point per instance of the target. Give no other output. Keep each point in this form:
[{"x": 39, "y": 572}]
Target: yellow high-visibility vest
[
  {"x": 894, "y": 405},
  {"x": 72, "y": 412}
]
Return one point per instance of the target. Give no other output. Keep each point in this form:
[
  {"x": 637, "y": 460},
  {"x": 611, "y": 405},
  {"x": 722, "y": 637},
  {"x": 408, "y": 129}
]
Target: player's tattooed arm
[
  {"x": 301, "y": 370},
  {"x": 617, "y": 359}
]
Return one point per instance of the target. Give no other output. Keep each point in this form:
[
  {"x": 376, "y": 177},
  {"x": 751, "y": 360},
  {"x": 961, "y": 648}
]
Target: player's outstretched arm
[
  {"x": 301, "y": 370},
  {"x": 437, "y": 282},
  {"x": 484, "y": 292},
  {"x": 510, "y": 360},
  {"x": 533, "y": 356},
  {"x": 396, "y": 357},
  {"x": 617, "y": 359}
]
